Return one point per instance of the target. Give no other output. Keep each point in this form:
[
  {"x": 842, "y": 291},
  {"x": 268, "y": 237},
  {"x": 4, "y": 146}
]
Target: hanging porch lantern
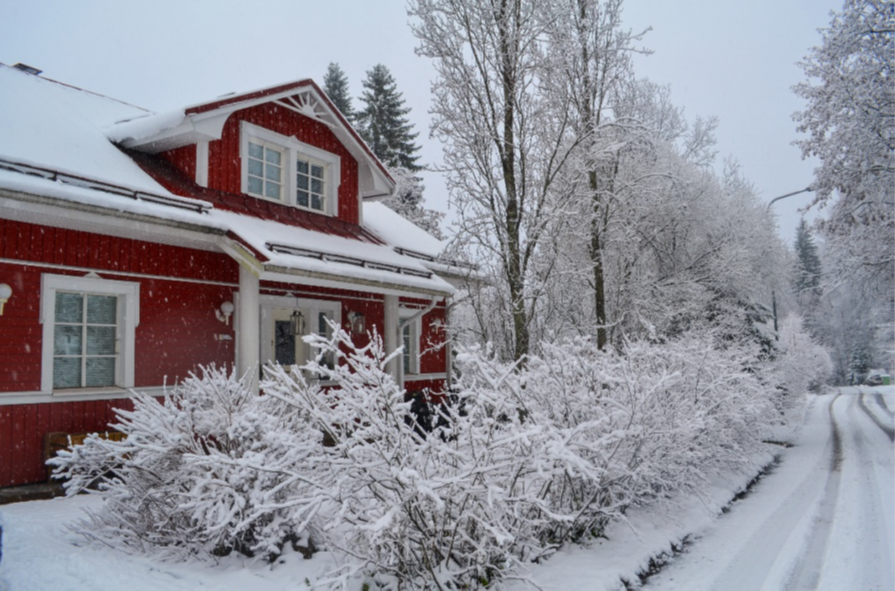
[{"x": 297, "y": 323}]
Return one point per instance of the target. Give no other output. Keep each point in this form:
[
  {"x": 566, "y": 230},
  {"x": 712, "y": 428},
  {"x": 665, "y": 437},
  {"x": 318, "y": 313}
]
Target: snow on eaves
[
  {"x": 257, "y": 233},
  {"x": 404, "y": 235},
  {"x": 265, "y": 235},
  {"x": 145, "y": 126}
]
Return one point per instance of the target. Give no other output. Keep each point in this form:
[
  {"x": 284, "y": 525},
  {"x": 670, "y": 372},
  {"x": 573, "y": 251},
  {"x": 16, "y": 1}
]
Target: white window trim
[
  {"x": 415, "y": 332},
  {"x": 128, "y": 318},
  {"x": 292, "y": 148}
]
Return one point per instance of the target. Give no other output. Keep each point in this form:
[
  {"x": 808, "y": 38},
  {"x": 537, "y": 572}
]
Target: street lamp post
[{"x": 774, "y": 291}]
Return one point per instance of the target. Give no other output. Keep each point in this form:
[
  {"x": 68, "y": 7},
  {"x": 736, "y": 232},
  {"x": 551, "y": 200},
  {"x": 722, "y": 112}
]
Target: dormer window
[
  {"x": 265, "y": 171},
  {"x": 284, "y": 169},
  {"x": 310, "y": 184}
]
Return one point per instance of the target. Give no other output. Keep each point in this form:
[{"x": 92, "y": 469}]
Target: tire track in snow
[
  {"x": 887, "y": 429},
  {"x": 882, "y": 404},
  {"x": 861, "y": 535},
  {"x": 806, "y": 572}
]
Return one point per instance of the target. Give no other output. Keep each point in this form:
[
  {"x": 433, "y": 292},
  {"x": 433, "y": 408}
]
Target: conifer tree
[
  {"x": 335, "y": 85},
  {"x": 383, "y": 121},
  {"x": 807, "y": 281}
]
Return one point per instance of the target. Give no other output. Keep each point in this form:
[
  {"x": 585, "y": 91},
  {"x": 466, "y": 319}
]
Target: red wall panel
[
  {"x": 22, "y": 429},
  {"x": 177, "y": 320},
  {"x": 183, "y": 159}
]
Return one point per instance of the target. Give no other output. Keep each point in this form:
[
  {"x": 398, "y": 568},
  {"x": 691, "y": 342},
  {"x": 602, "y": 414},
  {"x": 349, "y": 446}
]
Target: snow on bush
[
  {"x": 521, "y": 460},
  {"x": 199, "y": 472},
  {"x": 445, "y": 509},
  {"x": 518, "y": 460},
  {"x": 801, "y": 363},
  {"x": 609, "y": 430}
]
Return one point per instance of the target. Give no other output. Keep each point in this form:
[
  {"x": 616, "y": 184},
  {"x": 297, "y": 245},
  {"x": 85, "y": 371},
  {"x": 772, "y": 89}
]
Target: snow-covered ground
[{"x": 823, "y": 518}]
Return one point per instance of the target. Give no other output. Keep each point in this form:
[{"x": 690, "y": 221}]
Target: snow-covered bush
[
  {"x": 801, "y": 364},
  {"x": 446, "y": 509},
  {"x": 520, "y": 461},
  {"x": 524, "y": 459},
  {"x": 199, "y": 473},
  {"x": 607, "y": 430}
]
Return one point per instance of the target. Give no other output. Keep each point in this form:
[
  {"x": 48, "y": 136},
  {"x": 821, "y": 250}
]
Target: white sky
[{"x": 735, "y": 60}]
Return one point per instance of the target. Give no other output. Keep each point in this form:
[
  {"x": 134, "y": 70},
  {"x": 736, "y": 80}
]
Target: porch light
[
  {"x": 5, "y": 294},
  {"x": 224, "y": 313},
  {"x": 358, "y": 322},
  {"x": 298, "y": 323}
]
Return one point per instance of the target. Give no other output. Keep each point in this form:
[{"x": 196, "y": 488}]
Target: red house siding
[
  {"x": 22, "y": 429},
  {"x": 21, "y": 330},
  {"x": 183, "y": 159},
  {"x": 41, "y": 244},
  {"x": 177, "y": 331}
]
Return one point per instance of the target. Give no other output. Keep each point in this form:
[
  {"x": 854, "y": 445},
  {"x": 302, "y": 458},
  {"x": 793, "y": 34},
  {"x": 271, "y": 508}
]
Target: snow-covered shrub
[
  {"x": 200, "y": 472},
  {"x": 521, "y": 461},
  {"x": 801, "y": 364},
  {"x": 449, "y": 508},
  {"x": 606, "y": 430}
]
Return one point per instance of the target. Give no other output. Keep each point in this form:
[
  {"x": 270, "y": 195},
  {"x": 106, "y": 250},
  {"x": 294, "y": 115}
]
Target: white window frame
[
  {"x": 128, "y": 294},
  {"x": 415, "y": 327},
  {"x": 284, "y": 170},
  {"x": 292, "y": 149}
]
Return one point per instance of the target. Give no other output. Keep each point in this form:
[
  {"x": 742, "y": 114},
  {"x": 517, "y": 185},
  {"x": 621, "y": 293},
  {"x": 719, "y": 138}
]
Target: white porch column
[
  {"x": 390, "y": 334},
  {"x": 248, "y": 341}
]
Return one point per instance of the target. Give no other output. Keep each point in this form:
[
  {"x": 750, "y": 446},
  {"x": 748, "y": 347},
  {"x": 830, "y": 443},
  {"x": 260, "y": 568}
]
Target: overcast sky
[{"x": 734, "y": 60}]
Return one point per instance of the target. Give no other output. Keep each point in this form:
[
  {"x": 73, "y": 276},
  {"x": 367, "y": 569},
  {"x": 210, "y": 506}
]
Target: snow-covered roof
[
  {"x": 58, "y": 127},
  {"x": 205, "y": 121},
  {"x": 408, "y": 239},
  {"x": 56, "y": 158},
  {"x": 393, "y": 229}
]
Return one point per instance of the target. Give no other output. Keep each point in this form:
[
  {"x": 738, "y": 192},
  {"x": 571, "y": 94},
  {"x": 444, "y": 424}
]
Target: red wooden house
[{"x": 137, "y": 246}]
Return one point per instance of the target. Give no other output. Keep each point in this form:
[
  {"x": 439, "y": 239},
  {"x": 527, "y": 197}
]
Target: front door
[{"x": 286, "y": 344}]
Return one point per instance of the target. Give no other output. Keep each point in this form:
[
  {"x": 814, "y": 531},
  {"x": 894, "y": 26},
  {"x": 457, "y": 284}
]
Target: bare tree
[
  {"x": 505, "y": 140},
  {"x": 590, "y": 54}
]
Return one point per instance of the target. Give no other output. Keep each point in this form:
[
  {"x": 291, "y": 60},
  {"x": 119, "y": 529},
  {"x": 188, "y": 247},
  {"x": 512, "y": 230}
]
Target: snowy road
[{"x": 823, "y": 519}]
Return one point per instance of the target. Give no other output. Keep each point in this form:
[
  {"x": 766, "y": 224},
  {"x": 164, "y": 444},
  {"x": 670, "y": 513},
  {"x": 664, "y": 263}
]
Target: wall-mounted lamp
[
  {"x": 358, "y": 323},
  {"x": 5, "y": 294},
  {"x": 224, "y": 313},
  {"x": 297, "y": 325}
]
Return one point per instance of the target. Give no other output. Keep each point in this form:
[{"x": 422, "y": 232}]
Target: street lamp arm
[{"x": 772, "y": 201}]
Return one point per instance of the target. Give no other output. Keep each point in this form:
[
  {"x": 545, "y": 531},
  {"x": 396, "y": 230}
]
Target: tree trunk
[{"x": 507, "y": 149}]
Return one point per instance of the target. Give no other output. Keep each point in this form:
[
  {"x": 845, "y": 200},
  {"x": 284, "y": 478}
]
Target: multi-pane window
[
  {"x": 295, "y": 173},
  {"x": 411, "y": 342},
  {"x": 310, "y": 184},
  {"x": 85, "y": 340},
  {"x": 265, "y": 171},
  {"x": 407, "y": 348}
]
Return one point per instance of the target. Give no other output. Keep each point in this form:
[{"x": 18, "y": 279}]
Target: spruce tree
[
  {"x": 335, "y": 85},
  {"x": 808, "y": 271},
  {"x": 383, "y": 121}
]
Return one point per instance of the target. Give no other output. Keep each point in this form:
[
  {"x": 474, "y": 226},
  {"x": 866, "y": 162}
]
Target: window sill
[
  {"x": 75, "y": 395},
  {"x": 101, "y": 391}
]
